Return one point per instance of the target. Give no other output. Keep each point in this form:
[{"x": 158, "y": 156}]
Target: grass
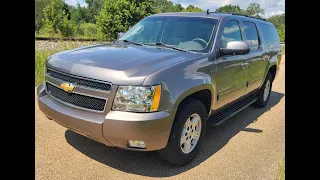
[
  {"x": 281, "y": 171},
  {"x": 41, "y": 54}
]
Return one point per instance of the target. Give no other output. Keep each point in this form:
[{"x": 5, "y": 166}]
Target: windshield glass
[{"x": 187, "y": 33}]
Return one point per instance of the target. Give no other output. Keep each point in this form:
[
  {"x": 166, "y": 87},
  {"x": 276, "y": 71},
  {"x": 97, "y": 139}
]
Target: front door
[{"x": 232, "y": 70}]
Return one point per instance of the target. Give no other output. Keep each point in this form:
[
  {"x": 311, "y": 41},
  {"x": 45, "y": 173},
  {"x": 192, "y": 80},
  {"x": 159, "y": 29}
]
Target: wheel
[
  {"x": 187, "y": 133},
  {"x": 264, "y": 92}
]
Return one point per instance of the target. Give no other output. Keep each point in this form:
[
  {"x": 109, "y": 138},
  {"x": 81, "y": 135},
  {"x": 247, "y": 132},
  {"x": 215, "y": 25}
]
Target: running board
[{"x": 234, "y": 109}]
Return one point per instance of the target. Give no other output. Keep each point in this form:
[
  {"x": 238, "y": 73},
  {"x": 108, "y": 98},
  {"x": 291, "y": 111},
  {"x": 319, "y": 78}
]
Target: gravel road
[{"x": 247, "y": 146}]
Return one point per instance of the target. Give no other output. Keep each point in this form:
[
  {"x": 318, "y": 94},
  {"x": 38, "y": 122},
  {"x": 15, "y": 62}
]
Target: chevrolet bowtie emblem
[{"x": 68, "y": 87}]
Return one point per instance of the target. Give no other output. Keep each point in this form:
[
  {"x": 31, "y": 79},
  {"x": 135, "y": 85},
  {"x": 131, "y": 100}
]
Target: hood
[{"x": 117, "y": 63}]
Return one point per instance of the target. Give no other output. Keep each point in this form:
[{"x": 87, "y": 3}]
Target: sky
[{"x": 274, "y": 7}]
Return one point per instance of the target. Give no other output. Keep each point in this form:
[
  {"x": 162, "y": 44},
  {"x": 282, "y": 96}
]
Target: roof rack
[{"x": 238, "y": 14}]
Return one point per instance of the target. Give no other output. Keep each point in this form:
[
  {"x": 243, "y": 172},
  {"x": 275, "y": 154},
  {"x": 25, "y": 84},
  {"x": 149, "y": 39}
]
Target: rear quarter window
[{"x": 270, "y": 35}]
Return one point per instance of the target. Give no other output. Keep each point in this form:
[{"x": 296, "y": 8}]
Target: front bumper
[{"x": 112, "y": 128}]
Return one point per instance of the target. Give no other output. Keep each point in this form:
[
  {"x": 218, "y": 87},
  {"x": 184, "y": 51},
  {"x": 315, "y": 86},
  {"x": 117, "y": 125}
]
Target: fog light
[{"x": 137, "y": 144}]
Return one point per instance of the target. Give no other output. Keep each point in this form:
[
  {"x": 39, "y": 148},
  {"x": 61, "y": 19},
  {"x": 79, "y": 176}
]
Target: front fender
[{"x": 181, "y": 80}]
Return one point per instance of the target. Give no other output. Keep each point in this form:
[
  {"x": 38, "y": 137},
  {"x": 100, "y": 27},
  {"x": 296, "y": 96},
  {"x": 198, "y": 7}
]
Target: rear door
[{"x": 257, "y": 63}]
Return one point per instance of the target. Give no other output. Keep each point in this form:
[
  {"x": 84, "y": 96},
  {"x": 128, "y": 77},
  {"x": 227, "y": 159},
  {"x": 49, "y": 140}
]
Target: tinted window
[
  {"x": 252, "y": 35},
  {"x": 231, "y": 32},
  {"x": 270, "y": 35}
]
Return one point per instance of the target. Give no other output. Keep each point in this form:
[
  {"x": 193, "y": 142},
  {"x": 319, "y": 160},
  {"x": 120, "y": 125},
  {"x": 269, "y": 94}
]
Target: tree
[
  {"x": 277, "y": 20},
  {"x": 254, "y": 10},
  {"x": 56, "y": 20},
  {"x": 94, "y": 7},
  {"x": 80, "y": 15},
  {"x": 39, "y": 15},
  {"x": 229, "y": 9},
  {"x": 118, "y": 15},
  {"x": 191, "y": 8},
  {"x": 175, "y": 8},
  {"x": 67, "y": 9},
  {"x": 161, "y": 6}
]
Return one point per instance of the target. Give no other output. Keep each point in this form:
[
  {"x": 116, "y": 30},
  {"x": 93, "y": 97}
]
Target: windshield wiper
[
  {"x": 132, "y": 42},
  {"x": 167, "y": 46}
]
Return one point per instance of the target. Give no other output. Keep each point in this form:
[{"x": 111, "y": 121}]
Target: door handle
[{"x": 243, "y": 65}]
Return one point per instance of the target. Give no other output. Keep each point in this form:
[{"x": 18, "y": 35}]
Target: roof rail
[
  {"x": 238, "y": 14},
  {"x": 208, "y": 12}
]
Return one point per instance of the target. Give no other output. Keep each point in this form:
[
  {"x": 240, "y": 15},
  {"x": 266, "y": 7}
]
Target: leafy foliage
[
  {"x": 229, "y": 8},
  {"x": 105, "y": 18},
  {"x": 118, "y": 15},
  {"x": 191, "y": 8},
  {"x": 80, "y": 15},
  {"x": 87, "y": 30},
  {"x": 87, "y": 14},
  {"x": 277, "y": 20},
  {"x": 56, "y": 19},
  {"x": 39, "y": 15},
  {"x": 281, "y": 32},
  {"x": 254, "y": 10}
]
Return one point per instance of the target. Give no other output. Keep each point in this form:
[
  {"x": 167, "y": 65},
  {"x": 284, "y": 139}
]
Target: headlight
[{"x": 137, "y": 98}]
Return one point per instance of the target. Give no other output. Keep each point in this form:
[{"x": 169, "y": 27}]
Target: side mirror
[
  {"x": 235, "y": 48},
  {"x": 120, "y": 34}
]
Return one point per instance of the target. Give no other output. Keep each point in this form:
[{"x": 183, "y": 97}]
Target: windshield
[{"x": 187, "y": 33}]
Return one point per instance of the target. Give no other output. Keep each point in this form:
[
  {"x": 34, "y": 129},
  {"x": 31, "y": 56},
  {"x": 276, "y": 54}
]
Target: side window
[
  {"x": 270, "y": 35},
  {"x": 251, "y": 32},
  {"x": 231, "y": 32}
]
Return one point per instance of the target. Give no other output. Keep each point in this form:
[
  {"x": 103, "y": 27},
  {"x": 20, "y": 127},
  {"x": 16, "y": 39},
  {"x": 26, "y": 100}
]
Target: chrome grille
[
  {"x": 88, "y": 94},
  {"x": 79, "y": 81},
  {"x": 76, "y": 99}
]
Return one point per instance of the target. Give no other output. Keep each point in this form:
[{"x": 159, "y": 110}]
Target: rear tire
[
  {"x": 176, "y": 152},
  {"x": 264, "y": 92}
]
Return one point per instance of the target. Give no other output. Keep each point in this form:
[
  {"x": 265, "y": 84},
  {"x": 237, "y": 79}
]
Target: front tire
[
  {"x": 264, "y": 92},
  {"x": 187, "y": 133}
]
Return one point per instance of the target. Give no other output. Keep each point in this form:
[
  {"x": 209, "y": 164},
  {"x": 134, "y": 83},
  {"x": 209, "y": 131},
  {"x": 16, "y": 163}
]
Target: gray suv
[{"x": 163, "y": 81}]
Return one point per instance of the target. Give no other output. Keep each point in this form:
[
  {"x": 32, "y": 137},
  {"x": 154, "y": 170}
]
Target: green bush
[
  {"x": 55, "y": 22},
  {"x": 281, "y": 32},
  {"x": 66, "y": 28},
  {"x": 118, "y": 15},
  {"x": 88, "y": 30}
]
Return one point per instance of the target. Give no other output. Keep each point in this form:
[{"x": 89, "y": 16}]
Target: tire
[
  {"x": 262, "y": 101},
  {"x": 174, "y": 152}
]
